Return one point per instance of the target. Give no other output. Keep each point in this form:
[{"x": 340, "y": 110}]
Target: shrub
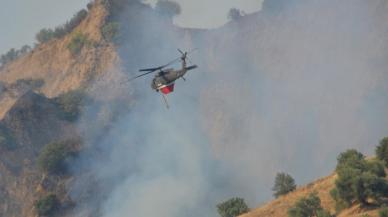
[
  {"x": 339, "y": 203},
  {"x": 307, "y": 207},
  {"x": 383, "y": 212},
  {"x": 168, "y": 8},
  {"x": 284, "y": 184},
  {"x": 48, "y": 34},
  {"x": 6, "y": 139},
  {"x": 44, "y": 35},
  {"x": 71, "y": 104},
  {"x": 77, "y": 42},
  {"x": 232, "y": 207},
  {"x": 382, "y": 151},
  {"x": 90, "y": 5},
  {"x": 33, "y": 84},
  {"x": 47, "y": 205},
  {"x": 75, "y": 20},
  {"x": 53, "y": 156},
  {"x": 376, "y": 167},
  {"x": 324, "y": 213},
  {"x": 13, "y": 54},
  {"x": 110, "y": 31},
  {"x": 235, "y": 14},
  {"x": 359, "y": 180},
  {"x": 351, "y": 159}
]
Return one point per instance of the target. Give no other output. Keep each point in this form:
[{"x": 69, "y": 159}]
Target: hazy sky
[
  {"x": 210, "y": 13},
  {"x": 20, "y": 20}
]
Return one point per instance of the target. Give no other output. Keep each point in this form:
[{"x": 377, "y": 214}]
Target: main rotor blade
[
  {"x": 172, "y": 62},
  {"x": 150, "y": 69},
  {"x": 133, "y": 78}
]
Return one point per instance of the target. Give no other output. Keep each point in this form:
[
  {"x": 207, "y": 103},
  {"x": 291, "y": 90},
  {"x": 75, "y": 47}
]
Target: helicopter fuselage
[{"x": 164, "y": 80}]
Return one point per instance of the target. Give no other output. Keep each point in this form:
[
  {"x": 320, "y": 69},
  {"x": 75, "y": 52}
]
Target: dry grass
[{"x": 280, "y": 206}]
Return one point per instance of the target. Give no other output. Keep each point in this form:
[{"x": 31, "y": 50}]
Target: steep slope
[
  {"x": 61, "y": 70},
  {"x": 32, "y": 122}
]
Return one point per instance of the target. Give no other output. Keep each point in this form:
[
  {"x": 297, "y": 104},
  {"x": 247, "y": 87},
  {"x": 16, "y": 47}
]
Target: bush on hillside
[
  {"x": 33, "y": 84},
  {"x": 307, "y": 207},
  {"x": 351, "y": 159},
  {"x": 44, "y": 35},
  {"x": 376, "y": 167},
  {"x": 359, "y": 180},
  {"x": 110, "y": 31},
  {"x": 48, "y": 34},
  {"x": 383, "y": 212},
  {"x": 235, "y": 14},
  {"x": 47, "y": 205},
  {"x": 52, "y": 158},
  {"x": 72, "y": 104},
  {"x": 13, "y": 54},
  {"x": 167, "y": 8},
  {"x": 284, "y": 183},
  {"x": 77, "y": 42},
  {"x": 232, "y": 207},
  {"x": 382, "y": 151},
  {"x": 6, "y": 139},
  {"x": 75, "y": 20}
]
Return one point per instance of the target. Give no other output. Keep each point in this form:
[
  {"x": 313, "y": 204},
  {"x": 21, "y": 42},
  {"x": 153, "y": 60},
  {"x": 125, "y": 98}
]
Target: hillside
[
  {"x": 57, "y": 67},
  {"x": 268, "y": 96},
  {"x": 323, "y": 186}
]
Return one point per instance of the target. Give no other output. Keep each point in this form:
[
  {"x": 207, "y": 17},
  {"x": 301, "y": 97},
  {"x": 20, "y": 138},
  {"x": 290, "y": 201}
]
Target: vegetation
[
  {"x": 13, "y": 54},
  {"x": 71, "y": 104},
  {"x": 358, "y": 180},
  {"x": 6, "y": 139},
  {"x": 235, "y": 14},
  {"x": 232, "y": 207},
  {"x": 33, "y": 84},
  {"x": 53, "y": 156},
  {"x": 48, "y": 34},
  {"x": 47, "y": 205},
  {"x": 284, "y": 183},
  {"x": 110, "y": 31},
  {"x": 382, "y": 150},
  {"x": 167, "y": 8},
  {"x": 77, "y": 42},
  {"x": 308, "y": 207},
  {"x": 383, "y": 212}
]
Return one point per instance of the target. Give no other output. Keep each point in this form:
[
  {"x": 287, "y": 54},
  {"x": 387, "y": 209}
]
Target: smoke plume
[{"x": 284, "y": 89}]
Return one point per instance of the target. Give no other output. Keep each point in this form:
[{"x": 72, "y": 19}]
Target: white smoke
[{"x": 277, "y": 91}]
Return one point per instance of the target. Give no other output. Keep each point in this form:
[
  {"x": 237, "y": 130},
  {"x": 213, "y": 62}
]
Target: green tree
[
  {"x": 284, "y": 183},
  {"x": 168, "y": 8},
  {"x": 359, "y": 180},
  {"x": 376, "y": 167},
  {"x": 232, "y": 207},
  {"x": 52, "y": 158},
  {"x": 78, "y": 41},
  {"x": 110, "y": 31},
  {"x": 235, "y": 14},
  {"x": 72, "y": 103},
  {"x": 382, "y": 151},
  {"x": 351, "y": 159},
  {"x": 47, "y": 205},
  {"x": 307, "y": 207},
  {"x": 44, "y": 35}
]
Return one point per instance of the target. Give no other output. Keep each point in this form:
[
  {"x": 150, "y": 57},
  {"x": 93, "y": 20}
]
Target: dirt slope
[
  {"x": 60, "y": 70},
  {"x": 280, "y": 206}
]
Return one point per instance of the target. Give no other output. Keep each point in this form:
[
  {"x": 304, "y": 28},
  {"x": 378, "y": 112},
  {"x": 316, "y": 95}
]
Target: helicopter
[{"x": 164, "y": 79}]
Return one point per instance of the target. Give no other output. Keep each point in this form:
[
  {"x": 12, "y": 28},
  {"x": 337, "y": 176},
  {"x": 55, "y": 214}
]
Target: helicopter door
[{"x": 168, "y": 89}]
